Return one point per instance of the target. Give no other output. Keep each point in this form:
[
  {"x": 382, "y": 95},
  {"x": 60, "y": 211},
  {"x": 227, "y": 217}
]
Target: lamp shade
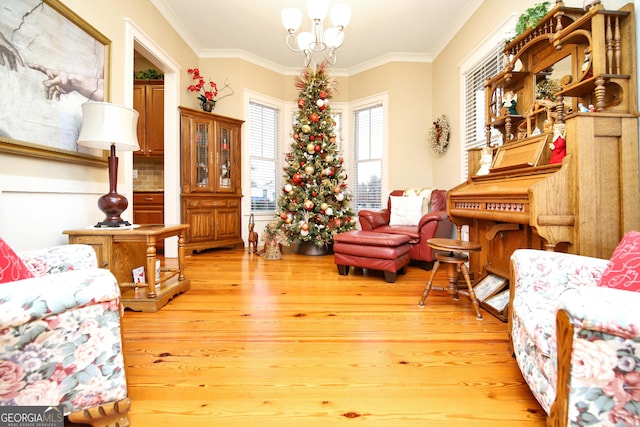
[
  {"x": 105, "y": 124},
  {"x": 291, "y": 19},
  {"x": 317, "y": 9},
  {"x": 340, "y": 15}
]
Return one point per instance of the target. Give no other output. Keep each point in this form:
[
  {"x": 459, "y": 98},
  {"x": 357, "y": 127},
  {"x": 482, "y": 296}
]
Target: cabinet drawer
[
  {"x": 148, "y": 199},
  {"x": 207, "y": 203}
]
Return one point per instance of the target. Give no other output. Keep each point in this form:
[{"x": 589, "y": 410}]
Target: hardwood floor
[{"x": 292, "y": 343}]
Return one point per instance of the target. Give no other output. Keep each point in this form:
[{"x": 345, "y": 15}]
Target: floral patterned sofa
[
  {"x": 60, "y": 340},
  {"x": 575, "y": 339}
]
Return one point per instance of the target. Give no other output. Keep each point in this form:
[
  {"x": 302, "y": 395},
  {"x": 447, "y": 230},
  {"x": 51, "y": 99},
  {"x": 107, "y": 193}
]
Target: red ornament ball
[
  {"x": 317, "y": 148},
  {"x": 323, "y": 94},
  {"x": 314, "y": 117}
]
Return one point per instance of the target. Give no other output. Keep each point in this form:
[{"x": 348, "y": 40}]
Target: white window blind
[
  {"x": 368, "y": 153},
  {"x": 474, "y": 100},
  {"x": 263, "y": 143}
]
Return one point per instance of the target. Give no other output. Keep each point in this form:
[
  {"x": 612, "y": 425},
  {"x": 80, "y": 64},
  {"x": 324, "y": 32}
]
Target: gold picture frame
[{"x": 54, "y": 61}]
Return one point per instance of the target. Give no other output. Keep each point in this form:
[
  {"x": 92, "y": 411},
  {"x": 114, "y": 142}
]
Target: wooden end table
[{"x": 122, "y": 250}]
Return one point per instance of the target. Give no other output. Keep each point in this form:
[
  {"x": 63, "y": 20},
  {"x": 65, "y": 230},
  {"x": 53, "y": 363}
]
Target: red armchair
[{"x": 435, "y": 223}]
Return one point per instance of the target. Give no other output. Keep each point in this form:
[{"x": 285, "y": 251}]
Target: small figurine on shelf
[
  {"x": 485, "y": 161},
  {"x": 582, "y": 108},
  {"x": 509, "y": 104},
  {"x": 558, "y": 145}
]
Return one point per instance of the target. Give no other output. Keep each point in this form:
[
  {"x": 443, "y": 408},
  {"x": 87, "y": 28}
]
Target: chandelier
[{"x": 318, "y": 40}]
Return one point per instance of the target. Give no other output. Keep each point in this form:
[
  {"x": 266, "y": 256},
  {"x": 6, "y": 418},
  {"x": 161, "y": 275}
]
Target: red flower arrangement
[{"x": 200, "y": 87}]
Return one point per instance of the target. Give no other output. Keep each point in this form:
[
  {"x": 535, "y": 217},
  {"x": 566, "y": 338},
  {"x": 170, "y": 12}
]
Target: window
[
  {"x": 369, "y": 147},
  {"x": 263, "y": 143},
  {"x": 474, "y": 102},
  {"x": 486, "y": 61}
]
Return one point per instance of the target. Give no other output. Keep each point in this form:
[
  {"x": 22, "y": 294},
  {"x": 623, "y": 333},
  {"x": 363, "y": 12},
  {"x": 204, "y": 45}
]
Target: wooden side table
[
  {"x": 450, "y": 251},
  {"x": 122, "y": 250}
]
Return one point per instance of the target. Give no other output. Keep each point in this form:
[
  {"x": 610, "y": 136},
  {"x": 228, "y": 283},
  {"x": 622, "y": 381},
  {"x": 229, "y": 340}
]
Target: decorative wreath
[{"x": 439, "y": 135}]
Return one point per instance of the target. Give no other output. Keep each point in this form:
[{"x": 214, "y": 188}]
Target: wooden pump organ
[{"x": 573, "y": 79}]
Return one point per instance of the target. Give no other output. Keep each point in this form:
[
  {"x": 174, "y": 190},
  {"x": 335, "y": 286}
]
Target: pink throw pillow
[
  {"x": 11, "y": 266},
  {"x": 623, "y": 269}
]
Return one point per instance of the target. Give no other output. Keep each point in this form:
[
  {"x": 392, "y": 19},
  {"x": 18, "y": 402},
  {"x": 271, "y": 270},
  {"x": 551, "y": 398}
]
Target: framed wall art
[{"x": 51, "y": 62}]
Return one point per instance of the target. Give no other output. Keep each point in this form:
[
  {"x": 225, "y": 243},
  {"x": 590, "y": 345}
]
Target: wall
[{"x": 410, "y": 161}]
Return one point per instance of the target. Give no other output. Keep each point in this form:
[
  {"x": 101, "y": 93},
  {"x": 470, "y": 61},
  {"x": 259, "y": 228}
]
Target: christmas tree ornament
[
  {"x": 308, "y": 204},
  {"x": 287, "y": 188},
  {"x": 311, "y": 148},
  {"x": 309, "y": 170},
  {"x": 306, "y": 128},
  {"x": 324, "y": 206}
]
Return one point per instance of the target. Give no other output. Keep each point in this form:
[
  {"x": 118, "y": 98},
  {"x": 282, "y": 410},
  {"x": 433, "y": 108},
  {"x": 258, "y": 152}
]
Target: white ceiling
[{"x": 380, "y": 31}]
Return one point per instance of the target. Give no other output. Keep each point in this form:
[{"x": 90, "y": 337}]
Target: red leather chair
[{"x": 435, "y": 223}]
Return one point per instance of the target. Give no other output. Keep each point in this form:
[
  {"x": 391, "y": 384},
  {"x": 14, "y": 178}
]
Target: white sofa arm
[{"x": 57, "y": 259}]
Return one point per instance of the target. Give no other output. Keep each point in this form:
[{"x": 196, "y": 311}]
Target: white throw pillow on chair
[{"x": 405, "y": 210}]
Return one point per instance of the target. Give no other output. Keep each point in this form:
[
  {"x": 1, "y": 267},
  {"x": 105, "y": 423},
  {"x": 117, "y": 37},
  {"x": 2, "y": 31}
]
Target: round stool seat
[
  {"x": 454, "y": 258},
  {"x": 441, "y": 244}
]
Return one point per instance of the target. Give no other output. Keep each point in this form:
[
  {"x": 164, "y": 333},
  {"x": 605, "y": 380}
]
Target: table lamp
[{"x": 109, "y": 126}]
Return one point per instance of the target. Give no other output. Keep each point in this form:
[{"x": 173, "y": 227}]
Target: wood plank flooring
[{"x": 292, "y": 343}]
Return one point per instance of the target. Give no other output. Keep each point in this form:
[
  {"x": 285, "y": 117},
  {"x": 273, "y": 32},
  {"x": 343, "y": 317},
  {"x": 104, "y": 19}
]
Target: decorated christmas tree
[{"x": 314, "y": 205}]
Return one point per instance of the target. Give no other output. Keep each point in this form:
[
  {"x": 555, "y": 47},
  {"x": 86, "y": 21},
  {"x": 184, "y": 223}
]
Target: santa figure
[{"x": 558, "y": 145}]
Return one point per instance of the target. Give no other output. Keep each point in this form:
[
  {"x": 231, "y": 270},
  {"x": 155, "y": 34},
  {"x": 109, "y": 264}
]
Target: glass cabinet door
[
  {"x": 201, "y": 153},
  {"x": 226, "y": 167}
]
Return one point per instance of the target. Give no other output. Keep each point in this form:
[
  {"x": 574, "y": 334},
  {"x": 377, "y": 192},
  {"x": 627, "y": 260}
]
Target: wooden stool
[{"x": 456, "y": 263}]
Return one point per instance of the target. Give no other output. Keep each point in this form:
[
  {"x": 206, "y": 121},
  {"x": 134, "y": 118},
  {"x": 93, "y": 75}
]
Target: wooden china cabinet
[{"x": 210, "y": 179}]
